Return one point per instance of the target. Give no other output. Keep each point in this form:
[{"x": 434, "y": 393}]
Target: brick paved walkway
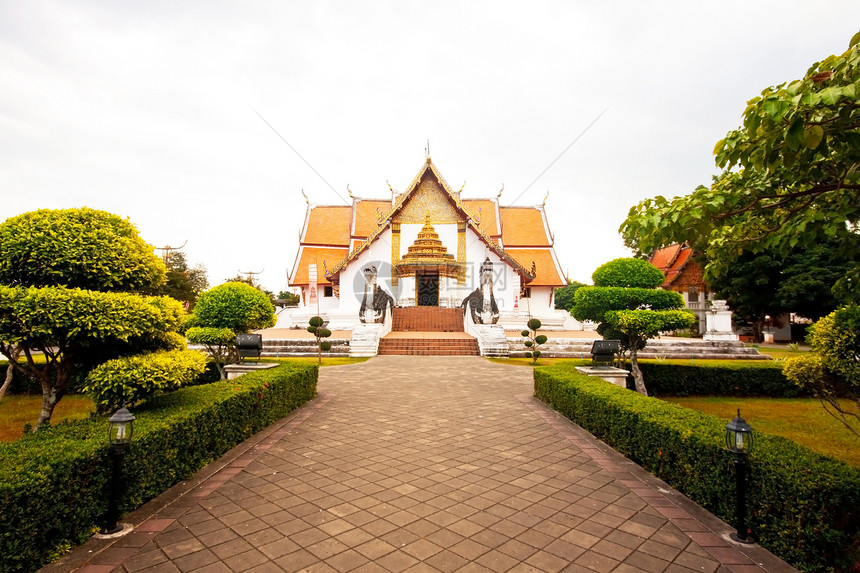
[{"x": 423, "y": 464}]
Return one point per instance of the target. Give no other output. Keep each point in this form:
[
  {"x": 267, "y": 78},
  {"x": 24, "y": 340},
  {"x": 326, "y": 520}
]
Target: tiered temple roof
[{"x": 333, "y": 235}]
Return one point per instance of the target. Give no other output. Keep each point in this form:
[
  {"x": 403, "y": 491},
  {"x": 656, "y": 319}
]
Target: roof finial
[
  {"x": 349, "y": 192},
  {"x": 306, "y": 197},
  {"x": 544, "y": 199},
  {"x": 502, "y": 190},
  {"x": 427, "y": 151},
  {"x": 461, "y": 188}
]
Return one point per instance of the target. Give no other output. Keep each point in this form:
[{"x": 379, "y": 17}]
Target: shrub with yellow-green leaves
[{"x": 127, "y": 380}]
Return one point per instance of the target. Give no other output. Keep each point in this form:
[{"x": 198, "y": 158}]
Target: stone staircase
[
  {"x": 302, "y": 347},
  {"x": 420, "y": 346},
  {"x": 669, "y": 348},
  {"x": 427, "y": 319}
]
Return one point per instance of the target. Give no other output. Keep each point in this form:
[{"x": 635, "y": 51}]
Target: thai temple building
[{"x": 428, "y": 249}]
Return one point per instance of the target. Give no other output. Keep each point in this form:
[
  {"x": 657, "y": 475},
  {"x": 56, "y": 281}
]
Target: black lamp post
[
  {"x": 739, "y": 441},
  {"x": 119, "y": 435}
]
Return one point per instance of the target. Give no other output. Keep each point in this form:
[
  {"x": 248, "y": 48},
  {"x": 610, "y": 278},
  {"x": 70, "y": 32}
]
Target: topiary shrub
[
  {"x": 628, "y": 273},
  {"x": 319, "y": 331},
  {"x": 130, "y": 379},
  {"x": 223, "y": 312},
  {"x": 533, "y": 340},
  {"x": 220, "y": 343}
]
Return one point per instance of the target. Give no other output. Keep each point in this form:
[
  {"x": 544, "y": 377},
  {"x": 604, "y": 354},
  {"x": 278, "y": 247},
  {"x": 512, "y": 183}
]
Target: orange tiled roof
[
  {"x": 367, "y": 213},
  {"x": 523, "y": 227},
  {"x": 485, "y": 210},
  {"x": 328, "y": 225},
  {"x": 663, "y": 258},
  {"x": 401, "y": 200},
  {"x": 548, "y": 273},
  {"x": 318, "y": 255},
  {"x": 678, "y": 265}
]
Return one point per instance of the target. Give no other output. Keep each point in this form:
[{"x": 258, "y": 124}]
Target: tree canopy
[
  {"x": 792, "y": 177},
  {"x": 77, "y": 248},
  {"x": 234, "y": 305}
]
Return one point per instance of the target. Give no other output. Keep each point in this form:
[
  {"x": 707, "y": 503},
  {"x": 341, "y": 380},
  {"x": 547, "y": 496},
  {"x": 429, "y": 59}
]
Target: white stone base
[
  {"x": 611, "y": 374},
  {"x": 720, "y": 336},
  {"x": 236, "y": 370}
]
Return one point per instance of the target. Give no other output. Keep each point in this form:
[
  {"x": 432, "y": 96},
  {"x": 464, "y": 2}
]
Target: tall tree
[
  {"x": 69, "y": 284},
  {"x": 793, "y": 177},
  {"x": 628, "y": 305},
  {"x": 183, "y": 283},
  {"x": 564, "y": 295}
]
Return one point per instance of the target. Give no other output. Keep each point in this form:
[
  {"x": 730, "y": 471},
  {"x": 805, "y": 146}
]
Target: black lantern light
[
  {"x": 119, "y": 435},
  {"x": 739, "y": 441}
]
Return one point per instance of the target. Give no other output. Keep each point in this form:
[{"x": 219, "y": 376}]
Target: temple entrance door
[{"x": 428, "y": 289}]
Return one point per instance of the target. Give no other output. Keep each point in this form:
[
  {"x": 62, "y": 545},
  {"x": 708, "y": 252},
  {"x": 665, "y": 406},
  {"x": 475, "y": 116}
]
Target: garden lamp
[
  {"x": 119, "y": 435},
  {"x": 739, "y": 441}
]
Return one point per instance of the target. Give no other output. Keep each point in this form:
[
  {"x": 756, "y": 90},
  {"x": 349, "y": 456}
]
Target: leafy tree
[
  {"x": 629, "y": 307},
  {"x": 533, "y": 340},
  {"x": 564, "y": 295},
  {"x": 793, "y": 178},
  {"x": 250, "y": 280},
  {"x": 77, "y": 248},
  {"x": 61, "y": 323},
  {"x": 832, "y": 370},
  {"x": 757, "y": 285},
  {"x": 220, "y": 344},
  {"x": 315, "y": 327},
  {"x": 225, "y": 311},
  {"x": 183, "y": 283},
  {"x": 289, "y": 298},
  {"x": 68, "y": 289}
]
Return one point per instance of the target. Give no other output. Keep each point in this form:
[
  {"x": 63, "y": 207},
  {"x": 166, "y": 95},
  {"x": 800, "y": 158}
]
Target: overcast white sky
[{"x": 149, "y": 109}]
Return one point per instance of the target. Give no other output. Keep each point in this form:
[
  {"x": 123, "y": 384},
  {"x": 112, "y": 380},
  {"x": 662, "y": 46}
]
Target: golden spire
[
  {"x": 502, "y": 190},
  {"x": 306, "y": 197}
]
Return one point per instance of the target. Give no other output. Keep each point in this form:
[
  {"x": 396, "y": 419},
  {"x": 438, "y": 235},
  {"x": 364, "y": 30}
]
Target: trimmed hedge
[
  {"x": 718, "y": 378},
  {"x": 54, "y": 483},
  {"x": 803, "y": 507}
]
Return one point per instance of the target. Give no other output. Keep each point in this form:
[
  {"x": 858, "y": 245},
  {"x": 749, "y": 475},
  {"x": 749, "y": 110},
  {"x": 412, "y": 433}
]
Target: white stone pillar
[{"x": 719, "y": 322}]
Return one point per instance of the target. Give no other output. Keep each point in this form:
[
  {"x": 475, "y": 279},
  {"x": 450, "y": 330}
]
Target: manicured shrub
[
  {"x": 718, "y": 378},
  {"x": 804, "y": 507},
  {"x": 628, "y": 272},
  {"x": 54, "y": 483},
  {"x": 127, "y": 380}
]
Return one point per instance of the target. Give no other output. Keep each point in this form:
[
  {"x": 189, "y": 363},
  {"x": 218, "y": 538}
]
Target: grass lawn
[
  {"x": 802, "y": 420},
  {"x": 19, "y": 409}
]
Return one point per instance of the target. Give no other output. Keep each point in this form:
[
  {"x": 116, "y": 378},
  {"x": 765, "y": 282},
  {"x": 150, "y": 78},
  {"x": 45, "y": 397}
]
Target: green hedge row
[
  {"x": 54, "y": 484},
  {"x": 718, "y": 378},
  {"x": 802, "y": 506}
]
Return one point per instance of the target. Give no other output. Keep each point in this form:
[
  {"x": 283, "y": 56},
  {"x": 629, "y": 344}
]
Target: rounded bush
[
  {"x": 534, "y": 324},
  {"x": 537, "y": 353},
  {"x": 325, "y": 345},
  {"x": 237, "y": 306},
  {"x": 528, "y": 343},
  {"x": 324, "y": 332},
  {"x": 316, "y": 321},
  {"x": 628, "y": 272},
  {"x": 77, "y": 248},
  {"x": 540, "y": 338},
  {"x": 525, "y": 333}
]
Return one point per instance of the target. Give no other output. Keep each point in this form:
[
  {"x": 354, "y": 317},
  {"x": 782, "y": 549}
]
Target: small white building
[{"x": 427, "y": 247}]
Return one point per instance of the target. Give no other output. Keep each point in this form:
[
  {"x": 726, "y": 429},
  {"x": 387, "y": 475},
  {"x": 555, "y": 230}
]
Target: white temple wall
[{"x": 352, "y": 280}]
